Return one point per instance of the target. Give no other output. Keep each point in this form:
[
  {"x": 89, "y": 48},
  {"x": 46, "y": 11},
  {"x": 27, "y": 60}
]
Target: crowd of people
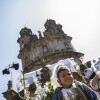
[
  {"x": 68, "y": 88},
  {"x": 93, "y": 77}
]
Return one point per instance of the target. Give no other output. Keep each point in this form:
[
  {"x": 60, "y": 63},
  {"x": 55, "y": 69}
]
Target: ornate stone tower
[
  {"x": 52, "y": 46},
  {"x": 10, "y": 93}
]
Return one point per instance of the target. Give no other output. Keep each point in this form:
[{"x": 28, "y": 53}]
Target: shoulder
[
  {"x": 83, "y": 86},
  {"x": 57, "y": 95},
  {"x": 77, "y": 83},
  {"x": 81, "y": 83},
  {"x": 86, "y": 90},
  {"x": 58, "y": 89}
]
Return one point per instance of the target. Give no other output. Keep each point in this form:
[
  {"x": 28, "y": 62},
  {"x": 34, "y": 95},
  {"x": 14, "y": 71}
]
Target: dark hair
[
  {"x": 93, "y": 75},
  {"x": 61, "y": 69}
]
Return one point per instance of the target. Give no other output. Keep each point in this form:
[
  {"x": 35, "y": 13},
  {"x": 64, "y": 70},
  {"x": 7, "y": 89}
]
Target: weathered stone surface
[{"x": 52, "y": 47}]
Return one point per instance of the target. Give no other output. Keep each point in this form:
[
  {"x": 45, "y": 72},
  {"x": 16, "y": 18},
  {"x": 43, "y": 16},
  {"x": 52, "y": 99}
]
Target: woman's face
[{"x": 65, "y": 78}]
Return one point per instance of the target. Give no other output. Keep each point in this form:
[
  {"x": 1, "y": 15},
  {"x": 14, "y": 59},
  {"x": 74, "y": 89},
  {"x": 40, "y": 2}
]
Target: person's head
[
  {"x": 64, "y": 77},
  {"x": 90, "y": 73}
]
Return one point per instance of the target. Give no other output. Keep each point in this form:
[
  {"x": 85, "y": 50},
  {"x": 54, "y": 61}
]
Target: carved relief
[{"x": 67, "y": 46}]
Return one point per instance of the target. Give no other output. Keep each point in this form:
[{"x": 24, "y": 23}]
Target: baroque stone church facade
[{"x": 51, "y": 46}]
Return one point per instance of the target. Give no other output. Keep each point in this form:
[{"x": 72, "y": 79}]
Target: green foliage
[{"x": 49, "y": 89}]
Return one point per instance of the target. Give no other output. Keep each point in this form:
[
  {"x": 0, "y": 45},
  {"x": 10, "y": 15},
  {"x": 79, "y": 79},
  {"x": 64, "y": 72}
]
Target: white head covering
[
  {"x": 89, "y": 72},
  {"x": 54, "y": 74}
]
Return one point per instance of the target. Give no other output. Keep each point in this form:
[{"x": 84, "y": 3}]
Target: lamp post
[
  {"x": 40, "y": 91},
  {"x": 6, "y": 70},
  {"x": 9, "y": 94},
  {"x": 23, "y": 83}
]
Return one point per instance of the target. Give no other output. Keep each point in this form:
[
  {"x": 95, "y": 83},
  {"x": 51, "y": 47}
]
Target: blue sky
[{"x": 79, "y": 18}]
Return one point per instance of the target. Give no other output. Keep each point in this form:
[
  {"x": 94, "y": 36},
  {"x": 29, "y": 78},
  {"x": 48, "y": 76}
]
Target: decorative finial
[{"x": 9, "y": 85}]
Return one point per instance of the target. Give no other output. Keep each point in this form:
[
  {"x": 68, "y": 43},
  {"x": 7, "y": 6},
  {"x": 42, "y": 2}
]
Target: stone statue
[{"x": 52, "y": 27}]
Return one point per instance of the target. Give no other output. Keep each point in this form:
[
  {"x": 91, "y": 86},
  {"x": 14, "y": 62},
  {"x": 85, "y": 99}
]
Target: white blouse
[{"x": 68, "y": 93}]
